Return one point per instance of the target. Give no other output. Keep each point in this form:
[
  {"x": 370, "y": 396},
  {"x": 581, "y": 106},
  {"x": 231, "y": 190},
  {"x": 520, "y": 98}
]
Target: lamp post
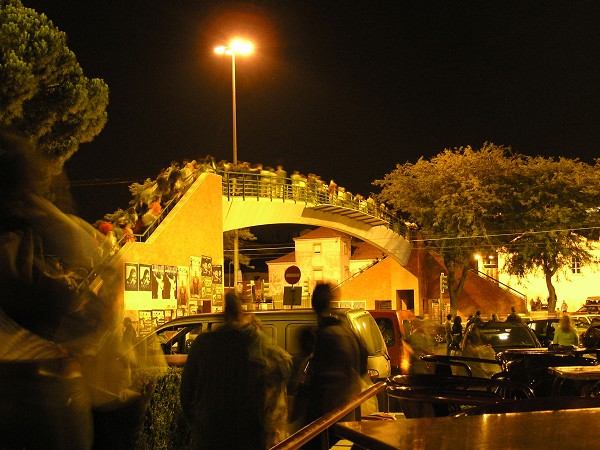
[{"x": 239, "y": 47}]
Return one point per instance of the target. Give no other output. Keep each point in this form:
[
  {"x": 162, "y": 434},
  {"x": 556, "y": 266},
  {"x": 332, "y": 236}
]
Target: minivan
[
  {"x": 174, "y": 338},
  {"x": 395, "y": 326}
]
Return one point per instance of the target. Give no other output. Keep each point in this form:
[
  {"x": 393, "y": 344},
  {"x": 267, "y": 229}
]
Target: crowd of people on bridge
[{"x": 151, "y": 198}]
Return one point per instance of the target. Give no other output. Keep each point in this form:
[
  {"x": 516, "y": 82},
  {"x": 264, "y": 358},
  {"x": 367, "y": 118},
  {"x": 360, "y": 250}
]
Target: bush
[{"x": 164, "y": 426}]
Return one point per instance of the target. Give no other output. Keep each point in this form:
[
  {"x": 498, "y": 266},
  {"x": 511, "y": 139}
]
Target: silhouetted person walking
[
  {"x": 337, "y": 362},
  {"x": 233, "y": 387}
]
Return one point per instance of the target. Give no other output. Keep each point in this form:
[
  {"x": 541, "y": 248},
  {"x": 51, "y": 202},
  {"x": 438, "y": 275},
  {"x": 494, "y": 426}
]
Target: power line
[{"x": 515, "y": 234}]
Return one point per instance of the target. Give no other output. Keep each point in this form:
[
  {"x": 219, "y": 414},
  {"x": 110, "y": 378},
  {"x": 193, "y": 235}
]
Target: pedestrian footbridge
[{"x": 249, "y": 200}]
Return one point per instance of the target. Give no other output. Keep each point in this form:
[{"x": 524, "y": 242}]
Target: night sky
[{"x": 344, "y": 89}]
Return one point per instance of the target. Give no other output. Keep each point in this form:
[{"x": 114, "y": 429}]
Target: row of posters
[{"x": 162, "y": 287}]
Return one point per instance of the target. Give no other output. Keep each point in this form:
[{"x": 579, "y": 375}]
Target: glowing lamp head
[
  {"x": 237, "y": 47},
  {"x": 241, "y": 47}
]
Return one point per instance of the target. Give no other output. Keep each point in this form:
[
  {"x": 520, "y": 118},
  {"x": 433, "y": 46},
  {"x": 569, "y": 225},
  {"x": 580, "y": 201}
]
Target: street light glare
[
  {"x": 237, "y": 47},
  {"x": 241, "y": 47}
]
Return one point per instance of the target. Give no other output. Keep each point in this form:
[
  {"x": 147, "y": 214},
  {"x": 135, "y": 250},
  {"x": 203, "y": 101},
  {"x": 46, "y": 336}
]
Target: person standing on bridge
[
  {"x": 280, "y": 180},
  {"x": 332, "y": 192}
]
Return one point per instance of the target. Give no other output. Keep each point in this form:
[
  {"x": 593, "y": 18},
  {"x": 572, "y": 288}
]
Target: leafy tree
[
  {"x": 556, "y": 210},
  {"x": 457, "y": 199},
  {"x": 43, "y": 91}
]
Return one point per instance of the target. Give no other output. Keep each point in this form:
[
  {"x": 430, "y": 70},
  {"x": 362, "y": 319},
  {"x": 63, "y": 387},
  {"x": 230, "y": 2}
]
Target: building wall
[
  {"x": 571, "y": 287},
  {"x": 329, "y": 264},
  {"x": 380, "y": 282},
  {"x": 192, "y": 229}
]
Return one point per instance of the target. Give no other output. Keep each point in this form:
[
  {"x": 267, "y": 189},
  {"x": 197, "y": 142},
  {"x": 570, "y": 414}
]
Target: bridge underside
[{"x": 240, "y": 213}]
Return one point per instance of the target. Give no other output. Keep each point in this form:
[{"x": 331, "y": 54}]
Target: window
[
  {"x": 316, "y": 249},
  {"x": 575, "y": 265},
  {"x": 318, "y": 274}
]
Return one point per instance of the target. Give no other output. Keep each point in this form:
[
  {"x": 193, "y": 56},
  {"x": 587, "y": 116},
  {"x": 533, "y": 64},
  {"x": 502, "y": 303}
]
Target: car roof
[
  {"x": 500, "y": 324},
  {"x": 272, "y": 314}
]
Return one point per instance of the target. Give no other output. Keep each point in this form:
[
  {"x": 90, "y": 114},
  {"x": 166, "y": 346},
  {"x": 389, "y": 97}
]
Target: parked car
[
  {"x": 174, "y": 338},
  {"x": 591, "y": 306},
  {"x": 395, "y": 327},
  {"x": 590, "y": 338},
  {"x": 583, "y": 321},
  {"x": 544, "y": 329},
  {"x": 502, "y": 335}
]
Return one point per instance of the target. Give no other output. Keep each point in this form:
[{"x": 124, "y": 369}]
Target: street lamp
[{"x": 235, "y": 47}]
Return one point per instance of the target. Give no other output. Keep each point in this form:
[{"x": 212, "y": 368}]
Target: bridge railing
[{"x": 310, "y": 192}]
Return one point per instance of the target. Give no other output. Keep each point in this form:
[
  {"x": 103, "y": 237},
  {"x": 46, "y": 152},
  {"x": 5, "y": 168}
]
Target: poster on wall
[
  {"x": 169, "y": 283},
  {"x": 206, "y": 278},
  {"x": 144, "y": 272},
  {"x": 182, "y": 286},
  {"x": 158, "y": 317},
  {"x": 195, "y": 268},
  {"x": 217, "y": 286},
  {"x": 158, "y": 272},
  {"x": 144, "y": 322},
  {"x": 206, "y": 266},
  {"x": 131, "y": 277}
]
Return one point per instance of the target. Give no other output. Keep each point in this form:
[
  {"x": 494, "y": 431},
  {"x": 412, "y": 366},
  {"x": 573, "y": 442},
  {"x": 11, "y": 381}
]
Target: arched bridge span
[{"x": 251, "y": 200}]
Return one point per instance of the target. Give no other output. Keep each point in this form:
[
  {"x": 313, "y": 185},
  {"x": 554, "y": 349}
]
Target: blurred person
[
  {"x": 475, "y": 347},
  {"x": 494, "y": 318},
  {"x": 337, "y": 363},
  {"x": 469, "y": 320},
  {"x": 422, "y": 343},
  {"x": 129, "y": 338},
  {"x": 448, "y": 329},
  {"x": 457, "y": 332},
  {"x": 513, "y": 316},
  {"x": 299, "y": 385},
  {"x": 51, "y": 324},
  {"x": 566, "y": 333},
  {"x": 233, "y": 387}
]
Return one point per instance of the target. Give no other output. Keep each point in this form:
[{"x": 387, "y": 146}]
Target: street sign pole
[{"x": 292, "y": 276}]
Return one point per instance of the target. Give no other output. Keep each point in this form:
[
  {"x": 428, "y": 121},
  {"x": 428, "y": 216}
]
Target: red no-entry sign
[{"x": 292, "y": 275}]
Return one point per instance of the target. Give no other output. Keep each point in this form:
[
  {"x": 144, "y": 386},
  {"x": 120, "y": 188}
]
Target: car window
[
  {"x": 369, "y": 331},
  {"x": 507, "y": 337},
  {"x": 386, "y": 326},
  {"x": 177, "y": 339}
]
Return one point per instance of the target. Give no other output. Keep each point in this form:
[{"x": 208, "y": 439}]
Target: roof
[
  {"x": 288, "y": 258},
  {"x": 322, "y": 233}
]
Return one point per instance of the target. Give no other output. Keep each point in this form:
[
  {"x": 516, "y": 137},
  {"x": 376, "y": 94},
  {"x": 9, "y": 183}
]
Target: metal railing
[
  {"x": 256, "y": 186},
  {"x": 359, "y": 272},
  {"x": 320, "y": 425},
  {"x": 501, "y": 285}
]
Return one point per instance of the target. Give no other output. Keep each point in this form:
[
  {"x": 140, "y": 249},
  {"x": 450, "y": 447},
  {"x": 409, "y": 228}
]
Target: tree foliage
[
  {"x": 538, "y": 210},
  {"x": 43, "y": 91},
  {"x": 456, "y": 200},
  {"x": 555, "y": 213}
]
